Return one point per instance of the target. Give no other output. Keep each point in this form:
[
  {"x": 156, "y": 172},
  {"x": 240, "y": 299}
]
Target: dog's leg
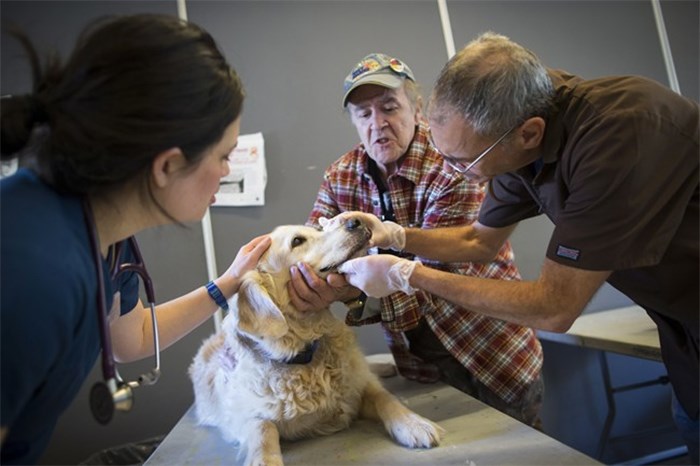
[
  {"x": 405, "y": 426},
  {"x": 263, "y": 445}
]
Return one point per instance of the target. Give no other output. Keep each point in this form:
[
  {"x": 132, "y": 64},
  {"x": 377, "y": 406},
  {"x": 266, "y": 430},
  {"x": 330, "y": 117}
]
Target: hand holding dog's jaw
[
  {"x": 309, "y": 292},
  {"x": 338, "y": 280}
]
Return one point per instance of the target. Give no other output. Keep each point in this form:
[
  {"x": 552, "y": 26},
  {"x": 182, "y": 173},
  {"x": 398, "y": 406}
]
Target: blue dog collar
[{"x": 305, "y": 356}]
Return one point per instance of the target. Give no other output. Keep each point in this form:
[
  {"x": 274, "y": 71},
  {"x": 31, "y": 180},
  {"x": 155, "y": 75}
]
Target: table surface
[
  {"x": 627, "y": 330},
  {"x": 476, "y": 435}
]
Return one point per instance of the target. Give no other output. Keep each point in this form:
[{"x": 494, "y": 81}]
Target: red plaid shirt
[{"x": 503, "y": 356}]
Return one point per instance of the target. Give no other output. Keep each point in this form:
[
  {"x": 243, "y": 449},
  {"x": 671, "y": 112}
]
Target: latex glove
[
  {"x": 385, "y": 235},
  {"x": 379, "y": 275}
]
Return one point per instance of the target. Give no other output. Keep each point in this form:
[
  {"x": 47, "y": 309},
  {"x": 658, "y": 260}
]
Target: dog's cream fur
[{"x": 242, "y": 384}]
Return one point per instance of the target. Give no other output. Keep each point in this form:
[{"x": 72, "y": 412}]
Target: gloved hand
[
  {"x": 379, "y": 275},
  {"x": 385, "y": 235}
]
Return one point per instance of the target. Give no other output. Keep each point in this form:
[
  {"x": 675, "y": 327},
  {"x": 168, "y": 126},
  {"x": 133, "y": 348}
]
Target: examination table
[{"x": 476, "y": 435}]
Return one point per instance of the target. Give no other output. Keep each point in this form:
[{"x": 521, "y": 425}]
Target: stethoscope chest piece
[{"x": 103, "y": 402}]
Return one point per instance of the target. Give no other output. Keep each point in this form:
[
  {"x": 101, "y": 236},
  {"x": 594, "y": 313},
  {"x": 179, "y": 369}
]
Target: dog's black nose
[{"x": 352, "y": 223}]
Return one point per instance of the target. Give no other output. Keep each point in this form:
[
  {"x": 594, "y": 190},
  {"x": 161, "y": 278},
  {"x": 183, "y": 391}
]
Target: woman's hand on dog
[
  {"x": 309, "y": 292},
  {"x": 246, "y": 260}
]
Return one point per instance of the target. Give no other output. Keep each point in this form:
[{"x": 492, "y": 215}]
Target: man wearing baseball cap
[{"x": 396, "y": 174}]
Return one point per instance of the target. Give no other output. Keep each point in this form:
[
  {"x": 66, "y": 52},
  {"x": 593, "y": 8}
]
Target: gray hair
[
  {"x": 492, "y": 83},
  {"x": 413, "y": 92}
]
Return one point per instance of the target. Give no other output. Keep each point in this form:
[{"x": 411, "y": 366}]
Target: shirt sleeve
[
  {"x": 127, "y": 284},
  {"x": 507, "y": 202}
]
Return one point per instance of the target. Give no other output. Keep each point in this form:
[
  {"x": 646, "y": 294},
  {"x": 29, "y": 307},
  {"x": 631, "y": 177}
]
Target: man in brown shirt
[{"x": 613, "y": 162}]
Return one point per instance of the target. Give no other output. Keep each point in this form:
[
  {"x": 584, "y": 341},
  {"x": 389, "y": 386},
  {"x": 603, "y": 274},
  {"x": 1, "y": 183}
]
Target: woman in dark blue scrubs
[{"x": 133, "y": 132}]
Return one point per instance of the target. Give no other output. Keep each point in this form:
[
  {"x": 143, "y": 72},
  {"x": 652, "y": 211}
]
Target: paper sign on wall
[{"x": 245, "y": 184}]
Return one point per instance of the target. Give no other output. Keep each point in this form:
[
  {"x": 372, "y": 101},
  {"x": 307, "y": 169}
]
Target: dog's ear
[{"x": 258, "y": 314}]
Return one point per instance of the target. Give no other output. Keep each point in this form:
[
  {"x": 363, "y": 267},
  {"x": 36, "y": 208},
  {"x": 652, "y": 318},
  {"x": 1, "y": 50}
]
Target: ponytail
[{"x": 20, "y": 114}]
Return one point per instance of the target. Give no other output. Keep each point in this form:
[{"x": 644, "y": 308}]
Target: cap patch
[
  {"x": 365, "y": 66},
  {"x": 396, "y": 65}
]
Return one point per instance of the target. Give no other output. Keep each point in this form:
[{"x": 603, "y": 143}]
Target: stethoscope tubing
[
  {"x": 109, "y": 371},
  {"x": 108, "y": 367}
]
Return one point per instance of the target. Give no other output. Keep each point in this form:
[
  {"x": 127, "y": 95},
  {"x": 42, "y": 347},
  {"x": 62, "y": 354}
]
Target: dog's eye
[{"x": 298, "y": 241}]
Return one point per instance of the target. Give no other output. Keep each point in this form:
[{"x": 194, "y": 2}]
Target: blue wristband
[{"x": 217, "y": 295}]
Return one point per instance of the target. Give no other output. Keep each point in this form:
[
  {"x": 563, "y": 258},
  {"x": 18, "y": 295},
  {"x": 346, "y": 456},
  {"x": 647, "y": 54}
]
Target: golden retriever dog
[{"x": 273, "y": 371}]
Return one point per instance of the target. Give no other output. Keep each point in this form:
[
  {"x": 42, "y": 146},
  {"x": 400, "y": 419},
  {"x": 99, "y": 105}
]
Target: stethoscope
[{"x": 113, "y": 393}]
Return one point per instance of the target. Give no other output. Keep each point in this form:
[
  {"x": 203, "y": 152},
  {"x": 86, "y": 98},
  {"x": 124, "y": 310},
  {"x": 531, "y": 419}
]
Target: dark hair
[
  {"x": 492, "y": 83},
  {"x": 133, "y": 87}
]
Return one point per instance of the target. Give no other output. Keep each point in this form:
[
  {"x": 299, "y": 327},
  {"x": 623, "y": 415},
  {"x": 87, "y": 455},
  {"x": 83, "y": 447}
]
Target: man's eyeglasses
[{"x": 461, "y": 167}]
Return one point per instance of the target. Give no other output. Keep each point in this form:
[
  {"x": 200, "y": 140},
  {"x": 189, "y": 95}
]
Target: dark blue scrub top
[{"x": 49, "y": 338}]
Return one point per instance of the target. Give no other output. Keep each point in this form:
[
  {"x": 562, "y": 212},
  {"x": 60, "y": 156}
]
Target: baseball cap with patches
[{"x": 379, "y": 69}]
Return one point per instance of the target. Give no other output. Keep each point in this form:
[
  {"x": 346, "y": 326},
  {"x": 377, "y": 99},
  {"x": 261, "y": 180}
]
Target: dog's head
[
  {"x": 323, "y": 250},
  {"x": 263, "y": 300}
]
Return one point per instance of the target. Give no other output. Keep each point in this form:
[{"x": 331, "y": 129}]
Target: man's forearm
[
  {"x": 544, "y": 304},
  {"x": 449, "y": 244}
]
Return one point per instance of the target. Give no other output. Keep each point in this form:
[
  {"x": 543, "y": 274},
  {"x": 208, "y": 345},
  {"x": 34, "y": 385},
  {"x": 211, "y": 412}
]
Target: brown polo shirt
[{"x": 618, "y": 177}]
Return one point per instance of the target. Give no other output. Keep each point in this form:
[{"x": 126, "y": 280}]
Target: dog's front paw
[
  {"x": 383, "y": 369},
  {"x": 266, "y": 460},
  {"x": 414, "y": 431}
]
